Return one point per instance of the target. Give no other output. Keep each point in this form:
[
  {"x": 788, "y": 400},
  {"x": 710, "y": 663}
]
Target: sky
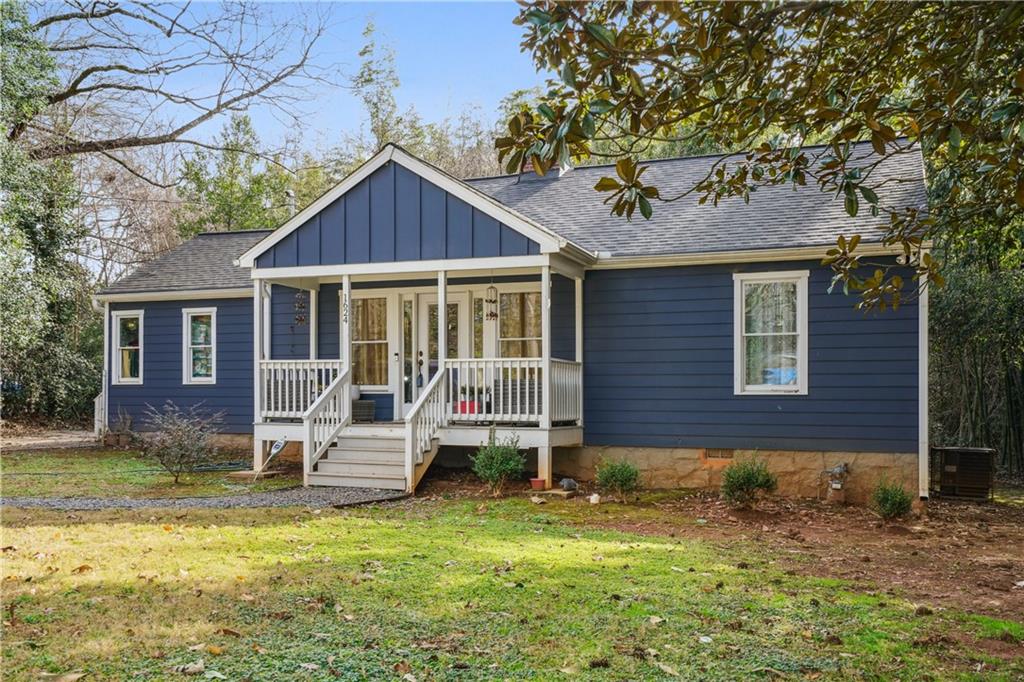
[{"x": 449, "y": 56}]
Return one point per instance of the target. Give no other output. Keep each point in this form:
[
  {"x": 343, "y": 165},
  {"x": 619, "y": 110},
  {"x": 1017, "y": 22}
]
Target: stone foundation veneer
[{"x": 799, "y": 473}]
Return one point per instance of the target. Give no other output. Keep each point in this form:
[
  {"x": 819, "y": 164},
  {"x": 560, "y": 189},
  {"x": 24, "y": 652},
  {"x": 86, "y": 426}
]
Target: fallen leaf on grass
[
  {"x": 168, "y": 527},
  {"x": 258, "y": 649},
  {"x": 309, "y": 666},
  {"x": 191, "y": 668},
  {"x": 214, "y": 650},
  {"x": 84, "y": 568},
  {"x": 667, "y": 669},
  {"x": 245, "y": 596},
  {"x": 704, "y": 639},
  {"x": 197, "y": 647},
  {"x": 655, "y": 620},
  {"x": 214, "y": 675},
  {"x": 229, "y": 632},
  {"x": 62, "y": 677},
  {"x": 402, "y": 667}
]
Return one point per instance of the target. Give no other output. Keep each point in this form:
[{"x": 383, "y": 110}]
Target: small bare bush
[{"x": 180, "y": 440}]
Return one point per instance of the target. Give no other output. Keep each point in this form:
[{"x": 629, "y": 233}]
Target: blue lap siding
[
  {"x": 395, "y": 215},
  {"x": 162, "y": 364},
  {"x": 658, "y": 367}
]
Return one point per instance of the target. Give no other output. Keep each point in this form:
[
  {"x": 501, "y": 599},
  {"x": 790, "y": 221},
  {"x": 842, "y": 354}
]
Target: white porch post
[
  {"x": 346, "y": 323},
  {"x": 579, "y": 340},
  {"x": 257, "y": 383},
  {"x": 442, "y": 319},
  {"x": 544, "y": 452},
  {"x": 314, "y": 323}
]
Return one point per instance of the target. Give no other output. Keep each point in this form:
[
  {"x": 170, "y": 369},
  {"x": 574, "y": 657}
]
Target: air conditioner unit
[{"x": 962, "y": 472}]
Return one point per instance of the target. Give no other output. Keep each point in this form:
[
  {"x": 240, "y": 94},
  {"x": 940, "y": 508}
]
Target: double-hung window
[
  {"x": 128, "y": 346},
  {"x": 199, "y": 346},
  {"x": 770, "y": 324},
  {"x": 519, "y": 333}
]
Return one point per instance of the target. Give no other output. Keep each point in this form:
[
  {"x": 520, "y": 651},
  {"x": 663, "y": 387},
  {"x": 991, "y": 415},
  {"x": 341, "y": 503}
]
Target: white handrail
[
  {"x": 425, "y": 418},
  {"x": 323, "y": 421}
]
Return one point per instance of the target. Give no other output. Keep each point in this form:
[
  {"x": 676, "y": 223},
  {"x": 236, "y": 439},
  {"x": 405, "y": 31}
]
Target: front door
[{"x": 420, "y": 339}]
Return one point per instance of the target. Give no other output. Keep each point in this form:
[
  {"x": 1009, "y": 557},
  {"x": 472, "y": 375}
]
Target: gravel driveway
[{"x": 287, "y": 497}]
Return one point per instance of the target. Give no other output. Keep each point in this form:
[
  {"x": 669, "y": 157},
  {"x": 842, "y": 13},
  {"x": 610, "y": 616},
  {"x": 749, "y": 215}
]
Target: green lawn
[
  {"x": 114, "y": 473},
  {"x": 448, "y": 589}
]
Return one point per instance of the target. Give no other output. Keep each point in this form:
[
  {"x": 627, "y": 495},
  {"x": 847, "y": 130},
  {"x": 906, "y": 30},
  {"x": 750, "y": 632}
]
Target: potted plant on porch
[{"x": 467, "y": 405}]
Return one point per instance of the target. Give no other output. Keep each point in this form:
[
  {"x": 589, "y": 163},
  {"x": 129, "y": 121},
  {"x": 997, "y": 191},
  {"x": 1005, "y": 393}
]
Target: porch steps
[{"x": 364, "y": 456}]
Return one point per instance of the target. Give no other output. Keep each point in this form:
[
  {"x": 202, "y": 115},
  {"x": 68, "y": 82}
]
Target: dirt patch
[
  {"x": 21, "y": 438},
  {"x": 954, "y": 554}
]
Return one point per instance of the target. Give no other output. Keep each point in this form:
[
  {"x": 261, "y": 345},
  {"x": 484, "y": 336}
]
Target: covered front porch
[{"x": 333, "y": 350}]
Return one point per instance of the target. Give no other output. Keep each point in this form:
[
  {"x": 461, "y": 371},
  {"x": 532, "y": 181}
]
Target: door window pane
[
  {"x": 407, "y": 364},
  {"x": 370, "y": 341}
]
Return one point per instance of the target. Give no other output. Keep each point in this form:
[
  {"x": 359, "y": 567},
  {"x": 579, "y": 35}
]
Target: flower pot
[
  {"x": 537, "y": 483},
  {"x": 124, "y": 440},
  {"x": 467, "y": 407},
  {"x": 110, "y": 439}
]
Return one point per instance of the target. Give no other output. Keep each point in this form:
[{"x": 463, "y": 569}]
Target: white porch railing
[
  {"x": 325, "y": 419},
  {"x": 427, "y": 416},
  {"x": 291, "y": 386},
  {"x": 511, "y": 390}
]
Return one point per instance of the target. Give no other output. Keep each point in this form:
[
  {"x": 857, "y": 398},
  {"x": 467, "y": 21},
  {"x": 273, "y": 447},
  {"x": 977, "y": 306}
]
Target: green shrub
[
  {"x": 496, "y": 462},
  {"x": 618, "y": 477},
  {"x": 742, "y": 482},
  {"x": 890, "y": 500}
]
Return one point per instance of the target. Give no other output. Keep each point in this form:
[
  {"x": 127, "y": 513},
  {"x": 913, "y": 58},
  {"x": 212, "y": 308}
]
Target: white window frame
[
  {"x": 186, "y": 346},
  {"x": 798, "y": 277},
  {"x": 116, "y": 318}
]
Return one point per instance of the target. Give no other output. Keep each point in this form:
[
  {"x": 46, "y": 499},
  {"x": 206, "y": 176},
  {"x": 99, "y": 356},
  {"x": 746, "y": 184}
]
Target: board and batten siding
[
  {"x": 395, "y": 215},
  {"x": 658, "y": 367},
  {"x": 162, "y": 365}
]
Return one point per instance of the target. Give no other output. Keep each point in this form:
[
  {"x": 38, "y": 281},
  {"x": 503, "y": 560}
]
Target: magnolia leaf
[
  {"x": 601, "y": 106},
  {"x": 602, "y": 33},
  {"x": 569, "y": 75},
  {"x": 607, "y": 184},
  {"x": 645, "y": 206}
]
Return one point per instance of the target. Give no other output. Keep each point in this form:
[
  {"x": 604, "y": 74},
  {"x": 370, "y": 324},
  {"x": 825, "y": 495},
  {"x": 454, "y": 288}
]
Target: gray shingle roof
[
  {"x": 776, "y": 217},
  {"x": 203, "y": 262}
]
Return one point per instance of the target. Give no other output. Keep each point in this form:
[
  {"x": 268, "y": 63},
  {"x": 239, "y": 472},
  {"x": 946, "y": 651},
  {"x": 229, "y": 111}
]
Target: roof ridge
[
  {"x": 715, "y": 155},
  {"x": 218, "y": 233}
]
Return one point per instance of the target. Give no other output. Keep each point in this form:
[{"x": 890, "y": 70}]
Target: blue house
[{"x": 406, "y": 312}]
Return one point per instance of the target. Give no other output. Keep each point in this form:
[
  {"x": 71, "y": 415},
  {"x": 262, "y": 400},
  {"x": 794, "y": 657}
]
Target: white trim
[
  {"x": 545, "y": 354},
  {"x": 743, "y": 256},
  {"x": 187, "y": 378},
  {"x": 116, "y": 348},
  {"x": 186, "y": 295},
  {"x": 798, "y": 277},
  {"x": 548, "y": 240},
  {"x": 922, "y": 392},
  {"x": 483, "y": 265}
]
